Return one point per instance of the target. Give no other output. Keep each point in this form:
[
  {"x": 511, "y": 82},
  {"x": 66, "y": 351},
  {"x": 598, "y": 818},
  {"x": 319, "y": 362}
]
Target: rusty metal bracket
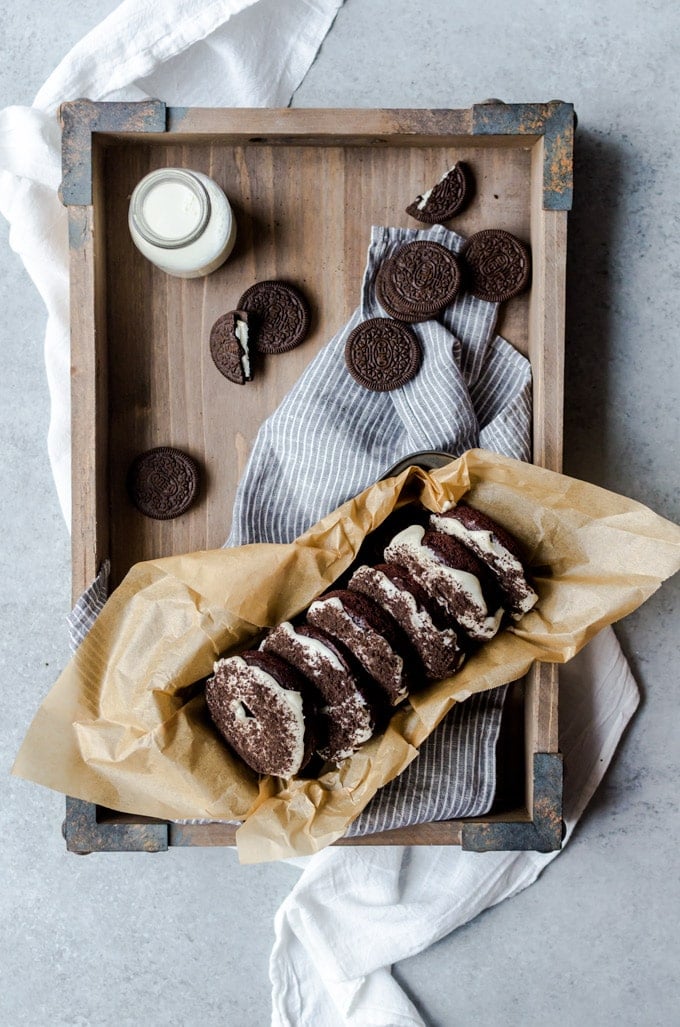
[
  {"x": 542, "y": 833},
  {"x": 84, "y": 832},
  {"x": 555, "y": 121},
  {"x": 79, "y": 120}
]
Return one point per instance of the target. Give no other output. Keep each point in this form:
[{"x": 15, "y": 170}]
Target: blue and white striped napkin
[{"x": 330, "y": 439}]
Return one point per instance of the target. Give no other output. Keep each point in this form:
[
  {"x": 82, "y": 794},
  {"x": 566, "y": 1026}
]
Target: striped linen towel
[{"x": 330, "y": 439}]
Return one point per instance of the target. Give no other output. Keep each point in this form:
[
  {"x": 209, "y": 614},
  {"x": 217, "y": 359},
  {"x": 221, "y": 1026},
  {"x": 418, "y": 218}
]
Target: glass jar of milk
[{"x": 182, "y": 222}]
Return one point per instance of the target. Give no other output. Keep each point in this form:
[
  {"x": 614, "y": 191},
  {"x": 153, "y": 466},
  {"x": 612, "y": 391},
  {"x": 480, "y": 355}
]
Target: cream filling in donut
[
  {"x": 425, "y": 566},
  {"x": 501, "y": 559},
  {"x": 315, "y": 650},
  {"x": 371, "y": 649},
  {"x": 419, "y": 620},
  {"x": 395, "y": 658}
]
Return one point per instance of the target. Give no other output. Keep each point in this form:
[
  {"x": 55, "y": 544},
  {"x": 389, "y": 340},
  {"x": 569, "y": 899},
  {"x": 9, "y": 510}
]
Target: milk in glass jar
[{"x": 182, "y": 222}]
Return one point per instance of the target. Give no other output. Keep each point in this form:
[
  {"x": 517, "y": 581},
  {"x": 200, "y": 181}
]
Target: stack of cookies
[{"x": 442, "y": 586}]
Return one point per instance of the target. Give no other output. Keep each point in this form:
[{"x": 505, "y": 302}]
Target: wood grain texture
[
  {"x": 303, "y": 215},
  {"x": 305, "y": 187},
  {"x": 321, "y": 127}
]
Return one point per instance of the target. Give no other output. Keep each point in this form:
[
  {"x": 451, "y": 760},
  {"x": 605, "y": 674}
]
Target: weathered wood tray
[{"x": 306, "y": 186}]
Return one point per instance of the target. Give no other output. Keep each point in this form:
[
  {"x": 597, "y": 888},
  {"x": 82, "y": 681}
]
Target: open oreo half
[{"x": 446, "y": 198}]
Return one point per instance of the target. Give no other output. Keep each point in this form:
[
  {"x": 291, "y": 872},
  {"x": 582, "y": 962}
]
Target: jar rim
[{"x": 140, "y": 197}]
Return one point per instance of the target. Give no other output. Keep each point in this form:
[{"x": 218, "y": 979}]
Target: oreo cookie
[
  {"x": 163, "y": 482},
  {"x": 280, "y": 315},
  {"x": 445, "y": 199},
  {"x": 498, "y": 265},
  {"x": 417, "y": 282},
  {"x": 382, "y": 355},
  {"x": 229, "y": 346}
]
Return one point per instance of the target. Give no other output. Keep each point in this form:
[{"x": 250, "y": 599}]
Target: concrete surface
[{"x": 183, "y": 937}]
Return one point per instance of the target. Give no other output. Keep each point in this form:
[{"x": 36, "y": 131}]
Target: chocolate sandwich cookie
[
  {"x": 497, "y": 548},
  {"x": 346, "y": 710},
  {"x": 382, "y": 355},
  {"x": 262, "y": 708},
  {"x": 280, "y": 315},
  {"x": 418, "y": 281},
  {"x": 163, "y": 482},
  {"x": 230, "y": 348},
  {"x": 383, "y": 297},
  {"x": 370, "y": 635},
  {"x": 498, "y": 265},
  {"x": 440, "y": 644},
  {"x": 453, "y": 576},
  {"x": 448, "y": 197}
]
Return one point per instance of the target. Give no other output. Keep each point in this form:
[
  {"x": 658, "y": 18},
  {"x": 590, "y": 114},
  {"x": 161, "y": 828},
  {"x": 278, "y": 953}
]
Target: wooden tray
[{"x": 306, "y": 186}]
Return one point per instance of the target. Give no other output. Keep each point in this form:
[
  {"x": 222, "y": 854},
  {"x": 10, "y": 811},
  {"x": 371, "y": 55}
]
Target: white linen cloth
[
  {"x": 353, "y": 912},
  {"x": 202, "y": 53}
]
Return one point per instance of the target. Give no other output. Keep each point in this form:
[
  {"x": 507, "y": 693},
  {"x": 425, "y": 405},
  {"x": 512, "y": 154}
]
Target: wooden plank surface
[
  {"x": 305, "y": 191},
  {"x": 304, "y": 215}
]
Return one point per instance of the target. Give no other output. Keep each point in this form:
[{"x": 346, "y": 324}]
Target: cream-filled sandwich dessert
[{"x": 439, "y": 588}]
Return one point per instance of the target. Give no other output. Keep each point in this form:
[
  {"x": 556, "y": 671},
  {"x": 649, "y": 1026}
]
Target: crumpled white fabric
[
  {"x": 202, "y": 53},
  {"x": 355, "y": 912}
]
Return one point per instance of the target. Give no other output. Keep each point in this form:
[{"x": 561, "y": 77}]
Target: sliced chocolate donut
[
  {"x": 439, "y": 643},
  {"x": 370, "y": 635},
  {"x": 346, "y": 710},
  {"x": 453, "y": 575},
  {"x": 496, "y": 548},
  {"x": 264, "y": 710},
  {"x": 446, "y": 198}
]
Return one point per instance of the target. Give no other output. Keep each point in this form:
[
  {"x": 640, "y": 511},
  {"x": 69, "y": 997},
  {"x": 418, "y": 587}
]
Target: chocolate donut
[
  {"x": 346, "y": 711},
  {"x": 439, "y": 642},
  {"x": 453, "y": 575},
  {"x": 263, "y": 709},
  {"x": 370, "y": 635},
  {"x": 496, "y": 548}
]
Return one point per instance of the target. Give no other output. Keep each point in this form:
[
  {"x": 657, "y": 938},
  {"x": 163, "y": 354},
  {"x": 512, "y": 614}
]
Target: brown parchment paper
[{"x": 126, "y": 725}]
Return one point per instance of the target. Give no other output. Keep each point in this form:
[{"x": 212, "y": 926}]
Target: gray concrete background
[{"x": 183, "y": 937}]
